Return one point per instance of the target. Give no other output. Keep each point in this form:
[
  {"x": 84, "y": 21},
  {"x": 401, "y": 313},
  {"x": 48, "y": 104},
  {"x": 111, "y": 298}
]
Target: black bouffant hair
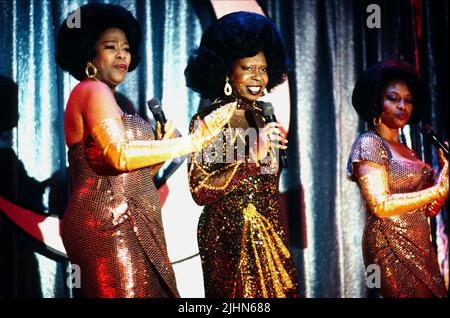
[
  {"x": 234, "y": 36},
  {"x": 367, "y": 94},
  {"x": 76, "y": 46}
]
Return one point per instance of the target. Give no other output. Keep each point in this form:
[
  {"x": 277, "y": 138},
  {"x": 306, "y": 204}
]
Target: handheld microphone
[
  {"x": 170, "y": 166},
  {"x": 431, "y": 134},
  {"x": 269, "y": 116},
  {"x": 154, "y": 106}
]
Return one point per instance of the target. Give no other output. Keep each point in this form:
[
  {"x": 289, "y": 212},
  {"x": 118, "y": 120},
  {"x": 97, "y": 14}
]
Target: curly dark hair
[
  {"x": 367, "y": 94},
  {"x": 234, "y": 36},
  {"x": 76, "y": 46}
]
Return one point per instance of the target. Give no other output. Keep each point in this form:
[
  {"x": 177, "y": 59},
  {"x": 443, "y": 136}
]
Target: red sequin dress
[
  {"x": 400, "y": 245},
  {"x": 112, "y": 227},
  {"x": 242, "y": 244}
]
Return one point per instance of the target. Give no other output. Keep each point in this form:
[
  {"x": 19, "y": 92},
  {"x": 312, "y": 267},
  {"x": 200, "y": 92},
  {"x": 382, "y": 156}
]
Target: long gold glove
[
  {"x": 127, "y": 155},
  {"x": 375, "y": 191},
  {"x": 169, "y": 132},
  {"x": 435, "y": 206}
]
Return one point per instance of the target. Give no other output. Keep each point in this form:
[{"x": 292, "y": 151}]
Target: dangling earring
[
  {"x": 376, "y": 121},
  {"x": 91, "y": 71},
  {"x": 227, "y": 90}
]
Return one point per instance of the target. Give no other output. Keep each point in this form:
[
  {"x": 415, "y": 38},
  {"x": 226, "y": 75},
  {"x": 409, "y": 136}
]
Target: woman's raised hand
[
  {"x": 208, "y": 129},
  {"x": 272, "y": 136},
  {"x": 169, "y": 130},
  {"x": 442, "y": 181}
]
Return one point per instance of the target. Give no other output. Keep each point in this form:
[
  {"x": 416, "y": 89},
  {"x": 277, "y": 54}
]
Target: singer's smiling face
[
  {"x": 397, "y": 104},
  {"x": 249, "y": 77},
  {"x": 113, "y": 57}
]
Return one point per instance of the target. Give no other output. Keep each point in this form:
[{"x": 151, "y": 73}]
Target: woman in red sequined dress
[
  {"x": 399, "y": 190},
  {"x": 112, "y": 227},
  {"x": 243, "y": 246}
]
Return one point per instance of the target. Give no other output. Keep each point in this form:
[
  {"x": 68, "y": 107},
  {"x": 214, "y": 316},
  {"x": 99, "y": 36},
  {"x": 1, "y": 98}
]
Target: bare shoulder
[
  {"x": 94, "y": 94},
  {"x": 95, "y": 102},
  {"x": 85, "y": 89}
]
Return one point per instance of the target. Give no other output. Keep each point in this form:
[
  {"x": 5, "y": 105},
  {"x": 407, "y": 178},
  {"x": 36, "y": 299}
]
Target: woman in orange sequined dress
[
  {"x": 242, "y": 243},
  {"x": 112, "y": 227},
  {"x": 399, "y": 190}
]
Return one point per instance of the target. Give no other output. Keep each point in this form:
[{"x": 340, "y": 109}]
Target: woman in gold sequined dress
[
  {"x": 242, "y": 244},
  {"x": 112, "y": 227},
  {"x": 400, "y": 191}
]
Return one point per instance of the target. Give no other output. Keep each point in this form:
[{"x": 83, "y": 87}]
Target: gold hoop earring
[
  {"x": 227, "y": 90},
  {"x": 376, "y": 121},
  {"x": 91, "y": 71}
]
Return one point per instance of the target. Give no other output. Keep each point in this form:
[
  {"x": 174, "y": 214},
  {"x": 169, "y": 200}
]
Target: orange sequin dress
[
  {"x": 400, "y": 245},
  {"x": 112, "y": 227},
  {"x": 242, "y": 244}
]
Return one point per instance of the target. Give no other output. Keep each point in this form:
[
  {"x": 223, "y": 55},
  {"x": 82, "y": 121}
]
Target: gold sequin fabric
[
  {"x": 112, "y": 227},
  {"x": 400, "y": 245},
  {"x": 242, "y": 244}
]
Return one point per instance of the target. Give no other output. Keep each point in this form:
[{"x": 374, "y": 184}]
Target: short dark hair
[
  {"x": 234, "y": 36},
  {"x": 366, "y": 97},
  {"x": 76, "y": 46}
]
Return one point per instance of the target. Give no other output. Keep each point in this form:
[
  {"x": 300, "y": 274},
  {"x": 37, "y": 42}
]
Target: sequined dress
[
  {"x": 400, "y": 244},
  {"x": 242, "y": 244},
  {"x": 112, "y": 227}
]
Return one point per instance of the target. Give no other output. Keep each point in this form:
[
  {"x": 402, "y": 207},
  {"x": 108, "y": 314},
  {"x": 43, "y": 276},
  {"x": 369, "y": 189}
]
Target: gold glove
[
  {"x": 169, "y": 130},
  {"x": 435, "y": 206},
  {"x": 127, "y": 155},
  {"x": 375, "y": 191},
  {"x": 206, "y": 130}
]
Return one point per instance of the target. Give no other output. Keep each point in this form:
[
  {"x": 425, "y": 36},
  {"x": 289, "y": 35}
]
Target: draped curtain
[{"x": 329, "y": 45}]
